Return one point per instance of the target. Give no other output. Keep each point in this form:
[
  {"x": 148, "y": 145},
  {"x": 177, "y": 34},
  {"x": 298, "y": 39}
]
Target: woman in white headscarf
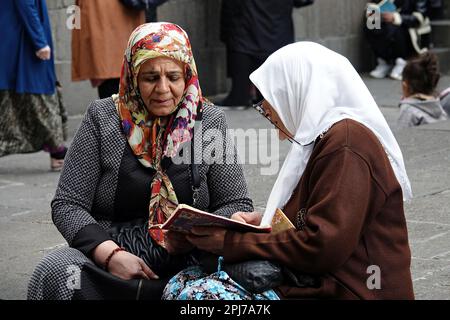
[{"x": 342, "y": 184}]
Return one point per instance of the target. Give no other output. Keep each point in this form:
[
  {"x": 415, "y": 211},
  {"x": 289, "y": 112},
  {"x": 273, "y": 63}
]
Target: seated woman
[
  {"x": 342, "y": 186},
  {"x": 420, "y": 104},
  {"x": 403, "y": 32},
  {"x": 121, "y": 171}
]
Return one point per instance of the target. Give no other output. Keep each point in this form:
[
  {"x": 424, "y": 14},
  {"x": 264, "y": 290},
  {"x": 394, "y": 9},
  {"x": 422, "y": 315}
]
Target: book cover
[
  {"x": 186, "y": 217},
  {"x": 387, "y": 6},
  {"x": 383, "y": 6},
  {"x": 280, "y": 222}
]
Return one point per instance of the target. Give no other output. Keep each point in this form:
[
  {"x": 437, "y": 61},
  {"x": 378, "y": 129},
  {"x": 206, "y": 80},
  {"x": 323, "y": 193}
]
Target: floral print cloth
[
  {"x": 31, "y": 122},
  {"x": 149, "y": 140},
  {"x": 194, "y": 284}
]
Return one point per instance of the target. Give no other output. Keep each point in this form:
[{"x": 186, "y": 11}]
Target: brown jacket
[
  {"x": 354, "y": 219},
  {"x": 99, "y": 46}
]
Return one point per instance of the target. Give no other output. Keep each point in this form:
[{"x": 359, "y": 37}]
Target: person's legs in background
[
  {"x": 402, "y": 51},
  {"x": 239, "y": 69},
  {"x": 31, "y": 123},
  {"x": 256, "y": 96},
  {"x": 392, "y": 46},
  {"x": 57, "y": 155},
  {"x": 379, "y": 43},
  {"x": 108, "y": 88}
]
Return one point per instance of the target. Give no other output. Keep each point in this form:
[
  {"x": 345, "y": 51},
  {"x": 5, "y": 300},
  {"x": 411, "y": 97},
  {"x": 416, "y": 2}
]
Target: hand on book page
[
  {"x": 248, "y": 217},
  {"x": 185, "y": 217},
  {"x": 280, "y": 222}
]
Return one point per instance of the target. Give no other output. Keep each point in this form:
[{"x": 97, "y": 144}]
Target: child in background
[
  {"x": 445, "y": 100},
  {"x": 420, "y": 104}
]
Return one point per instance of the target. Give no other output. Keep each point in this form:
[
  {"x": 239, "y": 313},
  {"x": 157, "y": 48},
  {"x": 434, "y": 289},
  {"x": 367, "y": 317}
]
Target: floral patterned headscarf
[{"x": 149, "y": 140}]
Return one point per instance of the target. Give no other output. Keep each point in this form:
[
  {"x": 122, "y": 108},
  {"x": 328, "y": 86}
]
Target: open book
[
  {"x": 186, "y": 217},
  {"x": 383, "y": 6}
]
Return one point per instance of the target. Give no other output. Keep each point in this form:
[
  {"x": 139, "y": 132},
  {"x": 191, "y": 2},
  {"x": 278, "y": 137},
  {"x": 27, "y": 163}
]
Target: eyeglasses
[{"x": 258, "y": 107}]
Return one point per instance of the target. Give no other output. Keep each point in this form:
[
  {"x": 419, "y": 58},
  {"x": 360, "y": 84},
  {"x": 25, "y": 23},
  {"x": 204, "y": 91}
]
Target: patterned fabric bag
[{"x": 62, "y": 109}]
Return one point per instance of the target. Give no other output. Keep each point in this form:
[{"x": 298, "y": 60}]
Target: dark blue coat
[
  {"x": 25, "y": 29},
  {"x": 257, "y": 27}
]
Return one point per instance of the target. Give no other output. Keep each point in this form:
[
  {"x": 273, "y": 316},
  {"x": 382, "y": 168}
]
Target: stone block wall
[{"x": 76, "y": 95}]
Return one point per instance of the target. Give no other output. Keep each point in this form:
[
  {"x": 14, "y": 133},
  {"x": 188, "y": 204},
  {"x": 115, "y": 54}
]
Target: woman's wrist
[
  {"x": 102, "y": 252},
  {"x": 108, "y": 259}
]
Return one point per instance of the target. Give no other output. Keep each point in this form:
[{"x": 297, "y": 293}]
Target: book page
[{"x": 186, "y": 217}]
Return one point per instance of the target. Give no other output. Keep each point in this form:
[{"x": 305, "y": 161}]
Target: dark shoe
[
  {"x": 56, "y": 165},
  {"x": 57, "y": 159}
]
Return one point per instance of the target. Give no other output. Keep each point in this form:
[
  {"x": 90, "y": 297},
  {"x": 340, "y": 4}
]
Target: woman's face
[
  {"x": 161, "y": 84},
  {"x": 272, "y": 114}
]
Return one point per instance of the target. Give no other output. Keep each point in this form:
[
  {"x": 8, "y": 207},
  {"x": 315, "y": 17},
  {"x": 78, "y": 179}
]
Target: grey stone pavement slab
[{"x": 27, "y": 187}]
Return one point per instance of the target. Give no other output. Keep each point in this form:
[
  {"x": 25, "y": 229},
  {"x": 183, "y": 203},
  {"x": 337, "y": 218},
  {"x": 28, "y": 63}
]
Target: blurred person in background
[
  {"x": 404, "y": 31},
  {"x": 421, "y": 103},
  {"x": 32, "y": 117},
  {"x": 151, "y": 14},
  {"x": 251, "y": 31},
  {"x": 98, "y": 46}
]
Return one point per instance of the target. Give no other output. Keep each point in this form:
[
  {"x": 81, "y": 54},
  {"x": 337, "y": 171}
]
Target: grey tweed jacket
[{"x": 89, "y": 179}]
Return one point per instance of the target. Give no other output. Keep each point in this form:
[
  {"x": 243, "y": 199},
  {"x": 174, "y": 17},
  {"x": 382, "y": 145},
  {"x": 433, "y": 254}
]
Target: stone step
[
  {"x": 444, "y": 12},
  {"x": 440, "y": 36},
  {"x": 444, "y": 59},
  {"x": 446, "y": 9}
]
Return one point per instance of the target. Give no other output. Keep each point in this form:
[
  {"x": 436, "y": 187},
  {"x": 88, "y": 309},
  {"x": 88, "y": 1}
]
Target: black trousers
[
  {"x": 108, "y": 88},
  {"x": 390, "y": 42},
  {"x": 239, "y": 67}
]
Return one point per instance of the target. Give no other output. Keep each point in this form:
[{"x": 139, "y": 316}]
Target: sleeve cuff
[
  {"x": 90, "y": 237},
  {"x": 232, "y": 240},
  {"x": 397, "y": 19},
  {"x": 227, "y": 246}
]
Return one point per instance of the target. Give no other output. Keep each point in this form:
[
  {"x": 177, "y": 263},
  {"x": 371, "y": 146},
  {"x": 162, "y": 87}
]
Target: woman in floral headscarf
[{"x": 123, "y": 172}]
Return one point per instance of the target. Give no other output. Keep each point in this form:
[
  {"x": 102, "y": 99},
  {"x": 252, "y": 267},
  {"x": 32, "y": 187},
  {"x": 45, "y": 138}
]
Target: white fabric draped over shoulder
[{"x": 311, "y": 88}]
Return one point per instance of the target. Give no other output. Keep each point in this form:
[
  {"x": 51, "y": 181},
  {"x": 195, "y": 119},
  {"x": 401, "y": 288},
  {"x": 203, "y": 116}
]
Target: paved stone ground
[{"x": 27, "y": 187}]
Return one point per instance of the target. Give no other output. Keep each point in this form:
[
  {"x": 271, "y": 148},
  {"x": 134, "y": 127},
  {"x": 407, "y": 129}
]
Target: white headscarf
[{"x": 311, "y": 88}]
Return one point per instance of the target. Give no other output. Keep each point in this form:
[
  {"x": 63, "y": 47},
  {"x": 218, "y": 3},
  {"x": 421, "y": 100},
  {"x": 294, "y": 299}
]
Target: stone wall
[
  {"x": 77, "y": 95},
  {"x": 334, "y": 23}
]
